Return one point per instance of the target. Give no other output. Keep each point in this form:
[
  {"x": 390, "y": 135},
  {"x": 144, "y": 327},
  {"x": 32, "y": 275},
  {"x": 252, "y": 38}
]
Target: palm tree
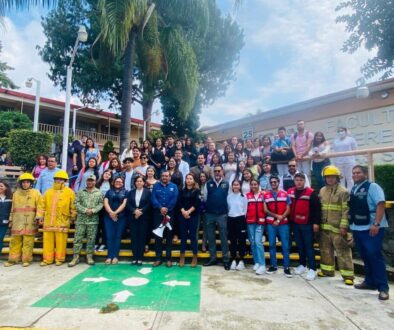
[
  {"x": 166, "y": 57},
  {"x": 170, "y": 57}
]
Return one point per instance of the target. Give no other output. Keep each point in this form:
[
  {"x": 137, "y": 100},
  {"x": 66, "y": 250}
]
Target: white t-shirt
[{"x": 346, "y": 144}]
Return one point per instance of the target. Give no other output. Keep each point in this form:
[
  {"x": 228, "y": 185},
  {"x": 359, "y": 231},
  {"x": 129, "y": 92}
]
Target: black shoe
[
  {"x": 287, "y": 272},
  {"x": 227, "y": 266},
  {"x": 139, "y": 263},
  {"x": 272, "y": 270},
  {"x": 210, "y": 263},
  {"x": 383, "y": 295},
  {"x": 134, "y": 263},
  {"x": 364, "y": 286}
]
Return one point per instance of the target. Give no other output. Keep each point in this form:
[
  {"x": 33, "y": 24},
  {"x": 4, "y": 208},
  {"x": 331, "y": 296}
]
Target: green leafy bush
[
  {"x": 384, "y": 176},
  {"x": 10, "y": 120},
  {"x": 25, "y": 145},
  {"x": 108, "y": 146}
]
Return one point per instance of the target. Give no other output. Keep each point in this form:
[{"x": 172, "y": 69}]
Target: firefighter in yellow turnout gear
[
  {"x": 334, "y": 227},
  {"x": 55, "y": 212}
]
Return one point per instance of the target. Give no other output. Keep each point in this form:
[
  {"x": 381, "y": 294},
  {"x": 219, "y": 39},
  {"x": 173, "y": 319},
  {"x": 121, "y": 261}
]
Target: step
[
  {"x": 151, "y": 254},
  {"x": 70, "y": 240}
]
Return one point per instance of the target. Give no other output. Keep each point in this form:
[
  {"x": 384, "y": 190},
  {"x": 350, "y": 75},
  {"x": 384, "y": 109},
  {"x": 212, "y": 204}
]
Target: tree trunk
[
  {"x": 147, "y": 113},
  {"x": 127, "y": 86}
]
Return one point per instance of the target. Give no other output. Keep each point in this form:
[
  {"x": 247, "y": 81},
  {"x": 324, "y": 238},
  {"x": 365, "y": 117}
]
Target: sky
[{"x": 292, "y": 53}]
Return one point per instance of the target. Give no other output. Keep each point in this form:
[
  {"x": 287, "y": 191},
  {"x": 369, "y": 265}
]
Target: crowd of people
[{"x": 247, "y": 190}]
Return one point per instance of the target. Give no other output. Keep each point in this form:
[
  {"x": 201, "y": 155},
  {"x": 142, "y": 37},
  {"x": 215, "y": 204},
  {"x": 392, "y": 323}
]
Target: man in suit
[{"x": 200, "y": 167}]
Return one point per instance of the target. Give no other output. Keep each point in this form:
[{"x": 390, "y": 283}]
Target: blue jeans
[
  {"x": 303, "y": 235},
  {"x": 370, "y": 249},
  {"x": 255, "y": 234},
  {"x": 221, "y": 221},
  {"x": 283, "y": 232},
  {"x": 3, "y": 230},
  {"x": 114, "y": 231}
]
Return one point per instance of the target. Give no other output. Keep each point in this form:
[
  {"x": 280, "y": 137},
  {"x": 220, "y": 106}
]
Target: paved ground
[{"x": 229, "y": 300}]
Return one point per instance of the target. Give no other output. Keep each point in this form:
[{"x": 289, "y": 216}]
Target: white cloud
[
  {"x": 306, "y": 39},
  {"x": 19, "y": 51}
]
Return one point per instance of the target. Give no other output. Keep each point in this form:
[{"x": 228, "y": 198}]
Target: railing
[
  {"x": 100, "y": 138},
  {"x": 368, "y": 152}
]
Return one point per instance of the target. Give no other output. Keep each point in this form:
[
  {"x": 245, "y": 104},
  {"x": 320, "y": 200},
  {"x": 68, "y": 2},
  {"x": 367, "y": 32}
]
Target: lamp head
[
  {"x": 29, "y": 83},
  {"x": 82, "y": 34}
]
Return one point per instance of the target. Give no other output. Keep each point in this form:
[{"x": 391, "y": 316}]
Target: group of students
[{"x": 170, "y": 190}]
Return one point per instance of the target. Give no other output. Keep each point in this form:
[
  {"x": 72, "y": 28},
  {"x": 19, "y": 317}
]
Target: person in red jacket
[
  {"x": 277, "y": 208},
  {"x": 255, "y": 219},
  {"x": 305, "y": 215}
]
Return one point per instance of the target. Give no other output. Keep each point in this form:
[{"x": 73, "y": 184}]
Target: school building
[
  {"x": 367, "y": 112},
  {"x": 96, "y": 123}
]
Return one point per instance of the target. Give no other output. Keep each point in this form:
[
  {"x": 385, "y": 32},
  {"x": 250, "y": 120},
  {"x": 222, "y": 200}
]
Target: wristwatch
[{"x": 376, "y": 224}]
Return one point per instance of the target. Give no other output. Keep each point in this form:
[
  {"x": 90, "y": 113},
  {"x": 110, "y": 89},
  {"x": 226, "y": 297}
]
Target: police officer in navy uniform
[{"x": 368, "y": 222}]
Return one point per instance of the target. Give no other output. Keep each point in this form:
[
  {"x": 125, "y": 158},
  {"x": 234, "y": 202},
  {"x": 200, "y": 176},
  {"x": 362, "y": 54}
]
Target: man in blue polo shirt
[
  {"x": 368, "y": 222},
  {"x": 164, "y": 198},
  {"x": 216, "y": 214}
]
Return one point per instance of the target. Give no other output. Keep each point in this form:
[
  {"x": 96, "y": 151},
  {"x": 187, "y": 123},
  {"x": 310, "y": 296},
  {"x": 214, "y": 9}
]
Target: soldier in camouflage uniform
[{"x": 88, "y": 203}]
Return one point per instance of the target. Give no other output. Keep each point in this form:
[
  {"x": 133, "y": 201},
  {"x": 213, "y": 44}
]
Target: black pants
[
  {"x": 303, "y": 235},
  {"x": 167, "y": 235},
  {"x": 237, "y": 236},
  {"x": 138, "y": 228},
  {"x": 101, "y": 230}
]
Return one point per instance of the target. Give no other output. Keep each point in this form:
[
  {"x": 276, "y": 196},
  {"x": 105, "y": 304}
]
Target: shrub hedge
[{"x": 25, "y": 145}]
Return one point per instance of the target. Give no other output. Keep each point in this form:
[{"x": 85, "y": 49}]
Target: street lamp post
[
  {"x": 29, "y": 84},
  {"x": 82, "y": 37}
]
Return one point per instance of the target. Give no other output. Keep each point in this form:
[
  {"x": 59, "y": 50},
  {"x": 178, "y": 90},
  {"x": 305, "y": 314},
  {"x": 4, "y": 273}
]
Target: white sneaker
[
  {"x": 101, "y": 248},
  {"x": 256, "y": 266},
  {"x": 240, "y": 266},
  {"x": 311, "y": 275},
  {"x": 233, "y": 265},
  {"x": 261, "y": 270},
  {"x": 300, "y": 270},
  {"x": 95, "y": 247}
]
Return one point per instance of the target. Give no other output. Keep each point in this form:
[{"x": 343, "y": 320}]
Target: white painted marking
[
  {"x": 95, "y": 279},
  {"x": 176, "y": 283},
  {"x": 135, "y": 281},
  {"x": 145, "y": 270},
  {"x": 122, "y": 296}
]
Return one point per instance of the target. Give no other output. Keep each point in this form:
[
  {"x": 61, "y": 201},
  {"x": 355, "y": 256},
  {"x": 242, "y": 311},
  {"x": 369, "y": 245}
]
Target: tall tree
[
  {"x": 217, "y": 57},
  {"x": 153, "y": 53},
  {"x": 122, "y": 22},
  {"x": 370, "y": 24}
]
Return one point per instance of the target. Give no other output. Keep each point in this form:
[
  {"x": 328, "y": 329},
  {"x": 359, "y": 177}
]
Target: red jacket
[
  {"x": 300, "y": 206},
  {"x": 277, "y": 206},
  {"x": 255, "y": 212}
]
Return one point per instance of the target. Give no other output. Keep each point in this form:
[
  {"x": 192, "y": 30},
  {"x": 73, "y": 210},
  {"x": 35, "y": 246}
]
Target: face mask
[
  {"x": 58, "y": 186},
  {"x": 341, "y": 134}
]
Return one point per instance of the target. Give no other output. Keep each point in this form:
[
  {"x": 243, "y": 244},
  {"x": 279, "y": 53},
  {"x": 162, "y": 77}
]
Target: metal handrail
[{"x": 369, "y": 152}]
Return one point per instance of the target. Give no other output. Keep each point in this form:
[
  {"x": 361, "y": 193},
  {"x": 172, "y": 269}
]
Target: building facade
[
  {"x": 97, "y": 124},
  {"x": 370, "y": 119}
]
